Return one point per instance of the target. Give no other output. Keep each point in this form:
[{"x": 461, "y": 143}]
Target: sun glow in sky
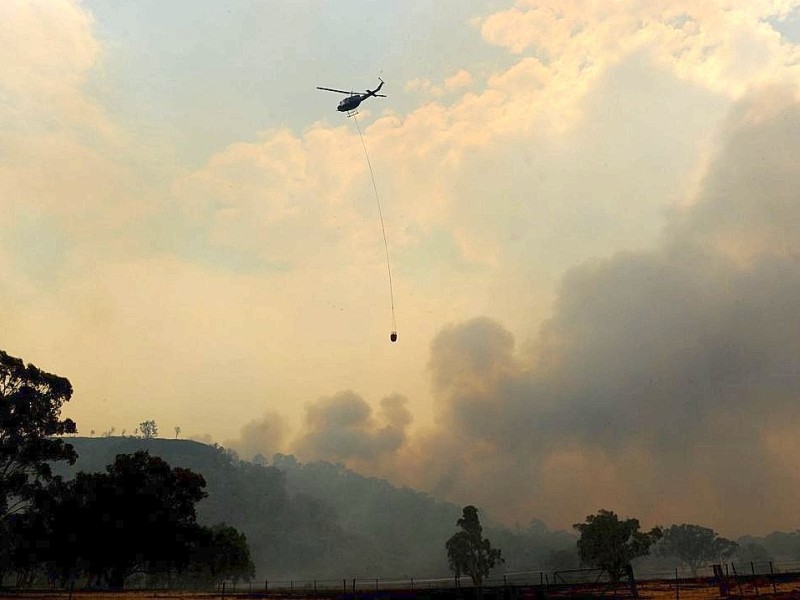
[{"x": 591, "y": 214}]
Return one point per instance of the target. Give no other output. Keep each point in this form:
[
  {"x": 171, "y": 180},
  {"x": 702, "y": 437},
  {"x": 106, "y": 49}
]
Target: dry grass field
[{"x": 691, "y": 589}]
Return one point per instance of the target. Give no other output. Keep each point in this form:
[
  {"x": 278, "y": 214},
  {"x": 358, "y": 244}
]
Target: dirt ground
[{"x": 700, "y": 589}]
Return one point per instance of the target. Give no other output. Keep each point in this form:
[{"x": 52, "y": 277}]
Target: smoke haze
[
  {"x": 663, "y": 386},
  {"x": 591, "y": 212}
]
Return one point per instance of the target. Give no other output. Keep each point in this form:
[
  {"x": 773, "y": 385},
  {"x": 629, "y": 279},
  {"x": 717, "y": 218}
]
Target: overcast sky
[{"x": 591, "y": 213}]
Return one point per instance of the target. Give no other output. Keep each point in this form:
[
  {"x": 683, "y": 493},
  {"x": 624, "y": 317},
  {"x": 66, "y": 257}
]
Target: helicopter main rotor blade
[
  {"x": 333, "y": 90},
  {"x": 379, "y": 95}
]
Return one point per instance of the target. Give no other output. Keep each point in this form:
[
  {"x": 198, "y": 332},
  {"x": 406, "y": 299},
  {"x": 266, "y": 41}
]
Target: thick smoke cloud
[
  {"x": 264, "y": 436},
  {"x": 663, "y": 386},
  {"x": 343, "y": 428},
  {"x": 665, "y": 383}
]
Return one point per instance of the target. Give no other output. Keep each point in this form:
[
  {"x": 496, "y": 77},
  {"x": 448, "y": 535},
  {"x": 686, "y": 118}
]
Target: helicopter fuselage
[{"x": 350, "y": 103}]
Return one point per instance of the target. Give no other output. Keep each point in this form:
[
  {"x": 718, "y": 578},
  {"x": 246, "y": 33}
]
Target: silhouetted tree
[
  {"x": 468, "y": 552},
  {"x": 695, "y": 546},
  {"x": 139, "y": 516},
  {"x": 27, "y": 546},
  {"x": 149, "y": 429},
  {"x": 48, "y": 536},
  {"x": 610, "y": 544},
  {"x": 221, "y": 554},
  {"x": 30, "y": 408}
]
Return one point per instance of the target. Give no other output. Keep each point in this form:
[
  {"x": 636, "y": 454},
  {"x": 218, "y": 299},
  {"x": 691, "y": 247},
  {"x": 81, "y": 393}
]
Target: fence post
[
  {"x": 223, "y": 590},
  {"x": 412, "y": 583},
  {"x": 772, "y": 578},
  {"x": 755, "y": 581},
  {"x": 738, "y": 583},
  {"x": 354, "y": 585},
  {"x": 266, "y": 586},
  {"x": 344, "y": 585},
  {"x": 722, "y": 580},
  {"x": 677, "y": 586}
]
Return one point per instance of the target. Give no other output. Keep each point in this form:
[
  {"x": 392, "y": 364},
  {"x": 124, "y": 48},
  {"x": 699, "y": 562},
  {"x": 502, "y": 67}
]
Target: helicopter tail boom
[{"x": 377, "y": 89}]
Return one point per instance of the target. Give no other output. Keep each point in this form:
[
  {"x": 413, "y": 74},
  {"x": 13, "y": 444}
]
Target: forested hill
[
  {"x": 405, "y": 520},
  {"x": 320, "y": 520},
  {"x": 405, "y": 527}
]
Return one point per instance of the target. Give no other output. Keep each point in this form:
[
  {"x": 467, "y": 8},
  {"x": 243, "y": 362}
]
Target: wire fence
[
  {"x": 725, "y": 580},
  {"x": 734, "y": 580}
]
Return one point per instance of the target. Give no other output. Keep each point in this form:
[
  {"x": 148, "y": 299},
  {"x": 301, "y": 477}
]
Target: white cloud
[
  {"x": 46, "y": 51},
  {"x": 726, "y": 47},
  {"x": 454, "y": 82}
]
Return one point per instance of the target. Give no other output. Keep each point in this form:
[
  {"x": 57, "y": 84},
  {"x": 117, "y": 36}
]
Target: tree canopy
[
  {"x": 222, "y": 554},
  {"x": 138, "y": 516},
  {"x": 30, "y": 409},
  {"x": 608, "y": 543},
  {"x": 152, "y": 508},
  {"x": 695, "y": 546},
  {"x": 148, "y": 429},
  {"x": 468, "y": 552}
]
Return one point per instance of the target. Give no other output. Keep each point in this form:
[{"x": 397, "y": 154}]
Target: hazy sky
[{"x": 592, "y": 219}]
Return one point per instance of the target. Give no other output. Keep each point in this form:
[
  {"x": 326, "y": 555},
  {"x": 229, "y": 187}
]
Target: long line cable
[{"x": 383, "y": 228}]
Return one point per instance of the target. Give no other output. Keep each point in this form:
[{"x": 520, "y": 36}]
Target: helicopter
[{"x": 349, "y": 104}]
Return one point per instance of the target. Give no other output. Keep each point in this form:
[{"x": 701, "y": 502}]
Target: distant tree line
[
  {"x": 147, "y": 430},
  {"x": 606, "y": 542},
  {"x": 362, "y": 505},
  {"x": 612, "y": 544},
  {"x": 97, "y": 529}
]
